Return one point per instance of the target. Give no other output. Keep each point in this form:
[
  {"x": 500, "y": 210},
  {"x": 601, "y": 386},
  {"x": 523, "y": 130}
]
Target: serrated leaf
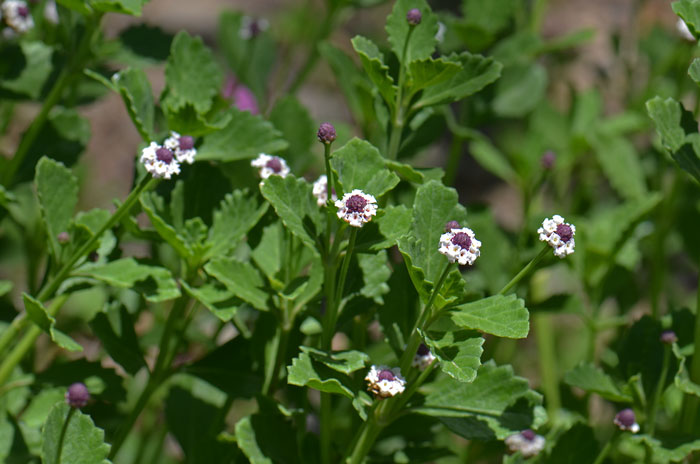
[
  {"x": 130, "y": 7},
  {"x": 393, "y": 224},
  {"x": 216, "y": 298},
  {"x": 57, "y": 191},
  {"x": 37, "y": 68},
  {"x": 46, "y": 322},
  {"x": 238, "y": 213},
  {"x": 458, "y": 350},
  {"x": 154, "y": 282},
  {"x": 429, "y": 72},
  {"x": 375, "y": 274},
  {"x": 292, "y": 118},
  {"x": 689, "y": 11},
  {"x": 119, "y": 339},
  {"x": 244, "y": 136},
  {"x": 592, "y": 379},
  {"x": 83, "y": 443},
  {"x": 306, "y": 372},
  {"x": 346, "y": 362},
  {"x": 152, "y": 204},
  {"x": 267, "y": 439},
  {"x": 359, "y": 165},
  {"x": 669, "y": 449},
  {"x": 621, "y": 165},
  {"x": 422, "y": 41},
  {"x": 373, "y": 63},
  {"x": 672, "y": 121},
  {"x": 502, "y": 316},
  {"x": 241, "y": 278},
  {"x": 491, "y": 159},
  {"x": 135, "y": 89},
  {"x": 295, "y": 205},
  {"x": 682, "y": 377}
]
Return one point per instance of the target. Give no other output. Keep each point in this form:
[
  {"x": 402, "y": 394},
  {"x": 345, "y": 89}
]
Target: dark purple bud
[
  {"x": 548, "y": 159},
  {"x": 275, "y": 164},
  {"x": 423, "y": 350},
  {"x": 669, "y": 337},
  {"x": 77, "y": 395},
  {"x": 528, "y": 434},
  {"x": 451, "y": 225},
  {"x": 164, "y": 155},
  {"x": 625, "y": 418},
  {"x": 63, "y": 238},
  {"x": 186, "y": 142},
  {"x": 386, "y": 374},
  {"x": 23, "y": 11},
  {"x": 356, "y": 203},
  {"x": 326, "y": 133},
  {"x": 414, "y": 17},
  {"x": 462, "y": 240},
  {"x": 564, "y": 232}
]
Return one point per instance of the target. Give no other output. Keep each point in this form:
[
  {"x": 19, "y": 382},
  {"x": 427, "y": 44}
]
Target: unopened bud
[
  {"x": 63, "y": 238},
  {"x": 452, "y": 225},
  {"x": 668, "y": 337},
  {"x": 326, "y": 133},
  {"x": 77, "y": 395},
  {"x": 414, "y": 17}
]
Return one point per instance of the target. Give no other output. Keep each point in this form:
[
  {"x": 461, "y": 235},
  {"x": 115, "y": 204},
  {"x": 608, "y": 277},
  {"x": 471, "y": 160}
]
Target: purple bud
[
  {"x": 564, "y": 231},
  {"x": 63, "y": 238},
  {"x": 77, "y": 395},
  {"x": 451, "y": 225},
  {"x": 548, "y": 159},
  {"x": 462, "y": 239},
  {"x": 356, "y": 203},
  {"x": 326, "y": 133},
  {"x": 668, "y": 337},
  {"x": 414, "y": 17},
  {"x": 528, "y": 434},
  {"x": 164, "y": 155},
  {"x": 386, "y": 374},
  {"x": 186, "y": 142},
  {"x": 625, "y": 418}
]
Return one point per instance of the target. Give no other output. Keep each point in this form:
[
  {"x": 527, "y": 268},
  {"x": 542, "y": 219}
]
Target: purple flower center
[
  {"x": 423, "y": 350},
  {"x": 626, "y": 417},
  {"x": 564, "y": 231},
  {"x": 462, "y": 239},
  {"x": 275, "y": 164},
  {"x": 186, "y": 142},
  {"x": 164, "y": 155},
  {"x": 386, "y": 374},
  {"x": 451, "y": 225},
  {"x": 77, "y": 395},
  {"x": 23, "y": 11},
  {"x": 528, "y": 434},
  {"x": 356, "y": 203}
]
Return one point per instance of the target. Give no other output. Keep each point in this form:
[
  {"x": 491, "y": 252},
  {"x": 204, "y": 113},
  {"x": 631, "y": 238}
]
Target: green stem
[
  {"x": 546, "y": 348},
  {"x": 538, "y": 11},
  {"x": 368, "y": 434},
  {"x": 329, "y": 199},
  {"x": 525, "y": 271},
  {"x": 690, "y": 402},
  {"x": 651, "y": 417},
  {"x": 326, "y": 426},
  {"x": 62, "y": 437},
  {"x": 344, "y": 269},
  {"x": 281, "y": 340},
  {"x": 607, "y": 448},
  {"x": 453, "y": 159},
  {"x": 398, "y": 119}
]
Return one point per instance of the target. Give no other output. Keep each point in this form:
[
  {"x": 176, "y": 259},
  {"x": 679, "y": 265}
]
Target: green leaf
[
  {"x": 520, "y": 90},
  {"x": 119, "y": 338},
  {"x": 694, "y": 70},
  {"x": 154, "y": 282},
  {"x": 378, "y": 72},
  {"x": 672, "y": 122},
  {"x": 37, "y": 68},
  {"x": 346, "y": 362},
  {"x": 244, "y": 136},
  {"x": 307, "y": 372},
  {"x": 422, "y": 41},
  {"x": 491, "y": 159},
  {"x": 81, "y": 6},
  {"x": 359, "y": 165},
  {"x": 192, "y": 75},
  {"x": 669, "y": 449},
  {"x": 5, "y": 287},
  {"x": 621, "y": 165},
  {"x": 296, "y": 206},
  {"x": 152, "y": 204},
  {"x": 682, "y": 378},
  {"x": 502, "y": 316},
  {"x": 135, "y": 89},
  {"x": 589, "y": 378},
  {"x": 353, "y": 83},
  {"x": 477, "y": 72},
  {"x": 83, "y": 443},
  {"x": 575, "y": 446},
  {"x": 46, "y": 322},
  {"x": 267, "y": 439},
  {"x": 57, "y": 191},
  {"x": 375, "y": 274},
  {"x": 688, "y": 156},
  {"x": 241, "y": 278},
  {"x": 238, "y": 213},
  {"x": 429, "y": 72},
  {"x": 216, "y": 298},
  {"x": 458, "y": 351},
  {"x": 292, "y": 118},
  {"x": 130, "y": 7},
  {"x": 495, "y": 405},
  {"x": 393, "y": 224},
  {"x": 689, "y": 11}
]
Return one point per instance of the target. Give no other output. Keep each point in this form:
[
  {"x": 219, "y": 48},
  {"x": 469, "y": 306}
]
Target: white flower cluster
[
  {"x": 17, "y": 15},
  {"x": 182, "y": 146},
  {"x": 559, "y": 235},
  {"x": 527, "y": 442},
  {"x": 460, "y": 245},
  {"x": 251, "y": 27},
  {"x": 385, "y": 382},
  {"x": 320, "y": 191},
  {"x": 164, "y": 161},
  {"x": 356, "y": 208},
  {"x": 423, "y": 357},
  {"x": 270, "y": 166}
]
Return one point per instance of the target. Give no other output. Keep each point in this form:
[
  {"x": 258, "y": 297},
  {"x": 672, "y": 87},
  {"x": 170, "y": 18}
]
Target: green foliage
[
  {"x": 422, "y": 40},
  {"x": 57, "y": 191},
  {"x": 359, "y": 165},
  {"x": 241, "y": 279},
  {"x": 320, "y": 371},
  {"x": 31, "y": 78},
  {"x": 72, "y": 434},
  {"x": 46, "y": 322},
  {"x": 457, "y": 350},
  {"x": 115, "y": 329},
  {"x": 135, "y": 89},
  {"x": 589, "y": 378},
  {"x": 378, "y": 72}
]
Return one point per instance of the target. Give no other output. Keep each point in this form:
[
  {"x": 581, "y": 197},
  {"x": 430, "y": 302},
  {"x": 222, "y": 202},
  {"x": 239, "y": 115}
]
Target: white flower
[
  {"x": 17, "y": 15},
  {"x": 159, "y": 161},
  {"x": 460, "y": 245},
  {"x": 320, "y": 191},
  {"x": 385, "y": 382},
  {"x": 182, "y": 146},
  {"x": 626, "y": 420},
  {"x": 270, "y": 166},
  {"x": 423, "y": 357},
  {"x": 684, "y": 31},
  {"x": 51, "y": 12},
  {"x": 559, "y": 235},
  {"x": 251, "y": 27},
  {"x": 356, "y": 208},
  {"x": 527, "y": 442}
]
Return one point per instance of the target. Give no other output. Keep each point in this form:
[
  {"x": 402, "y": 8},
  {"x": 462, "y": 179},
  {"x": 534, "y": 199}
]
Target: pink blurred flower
[{"x": 240, "y": 95}]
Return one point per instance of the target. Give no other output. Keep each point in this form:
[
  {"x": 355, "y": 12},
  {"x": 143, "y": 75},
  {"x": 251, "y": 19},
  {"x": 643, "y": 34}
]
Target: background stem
[{"x": 546, "y": 348}]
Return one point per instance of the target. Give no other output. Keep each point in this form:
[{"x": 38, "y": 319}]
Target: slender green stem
[
  {"x": 369, "y": 433},
  {"x": 525, "y": 271},
  {"x": 329, "y": 190},
  {"x": 453, "y": 159},
  {"x": 281, "y": 340},
  {"x": 609, "y": 446},
  {"x": 538, "y": 11},
  {"x": 651, "y": 417},
  {"x": 413, "y": 387},
  {"x": 398, "y": 113},
  {"x": 62, "y": 437},
  {"x": 326, "y": 426},
  {"x": 546, "y": 348},
  {"x": 690, "y": 403},
  {"x": 344, "y": 269}
]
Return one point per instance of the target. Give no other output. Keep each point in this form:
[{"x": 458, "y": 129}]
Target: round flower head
[
  {"x": 270, "y": 166},
  {"x": 414, "y": 16},
  {"x": 527, "y": 442},
  {"x": 159, "y": 161},
  {"x": 77, "y": 395},
  {"x": 17, "y": 15},
  {"x": 252, "y": 27},
  {"x": 423, "y": 357},
  {"x": 356, "y": 208},
  {"x": 385, "y": 382},
  {"x": 559, "y": 235},
  {"x": 460, "y": 245},
  {"x": 320, "y": 191},
  {"x": 668, "y": 337},
  {"x": 326, "y": 133},
  {"x": 626, "y": 420},
  {"x": 63, "y": 238},
  {"x": 182, "y": 146}
]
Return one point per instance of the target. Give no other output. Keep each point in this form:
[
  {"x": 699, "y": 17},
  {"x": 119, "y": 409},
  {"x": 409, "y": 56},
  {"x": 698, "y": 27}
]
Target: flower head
[
  {"x": 356, "y": 208},
  {"x": 626, "y": 420},
  {"x": 17, "y": 15},
  {"x": 63, "y": 237},
  {"x": 527, "y": 442},
  {"x": 182, "y": 146},
  {"x": 460, "y": 245},
  {"x": 668, "y": 337},
  {"x": 270, "y": 166},
  {"x": 252, "y": 27},
  {"x": 423, "y": 357},
  {"x": 559, "y": 235},
  {"x": 159, "y": 161},
  {"x": 77, "y": 395},
  {"x": 326, "y": 133},
  {"x": 385, "y": 382},
  {"x": 548, "y": 159},
  {"x": 320, "y": 191},
  {"x": 414, "y": 16}
]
